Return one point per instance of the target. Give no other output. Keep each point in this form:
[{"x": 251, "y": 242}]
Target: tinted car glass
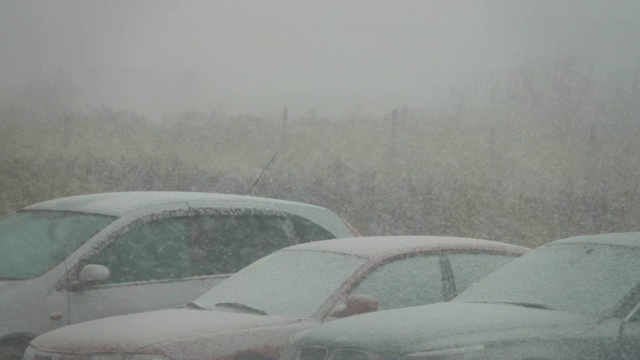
[
  {"x": 32, "y": 242},
  {"x": 222, "y": 244},
  {"x": 152, "y": 251},
  {"x": 305, "y": 230},
  {"x": 180, "y": 247}
]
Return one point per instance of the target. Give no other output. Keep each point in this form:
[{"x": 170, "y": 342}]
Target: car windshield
[
  {"x": 32, "y": 242},
  {"x": 290, "y": 282},
  {"x": 580, "y": 278}
]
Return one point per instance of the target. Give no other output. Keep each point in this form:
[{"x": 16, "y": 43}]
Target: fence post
[{"x": 394, "y": 124}]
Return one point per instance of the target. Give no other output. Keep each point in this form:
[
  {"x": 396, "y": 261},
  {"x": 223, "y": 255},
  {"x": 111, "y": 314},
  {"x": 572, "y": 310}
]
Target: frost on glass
[
  {"x": 406, "y": 282},
  {"x": 306, "y": 230},
  {"x": 468, "y": 268},
  {"x": 32, "y": 242},
  {"x": 305, "y": 279},
  {"x": 579, "y": 278},
  {"x": 148, "y": 252},
  {"x": 226, "y": 244},
  {"x": 180, "y": 247}
]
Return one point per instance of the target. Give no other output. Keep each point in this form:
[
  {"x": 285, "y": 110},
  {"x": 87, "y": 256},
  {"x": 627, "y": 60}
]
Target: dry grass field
[{"x": 537, "y": 153}]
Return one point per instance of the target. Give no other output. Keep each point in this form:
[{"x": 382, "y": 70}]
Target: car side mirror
[
  {"x": 354, "y": 305},
  {"x": 361, "y": 303},
  {"x": 91, "y": 273}
]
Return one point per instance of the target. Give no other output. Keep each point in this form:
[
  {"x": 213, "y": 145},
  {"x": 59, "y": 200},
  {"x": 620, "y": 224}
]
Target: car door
[
  {"x": 167, "y": 261},
  {"x": 149, "y": 269}
]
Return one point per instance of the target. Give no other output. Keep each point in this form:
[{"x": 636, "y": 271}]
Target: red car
[{"x": 252, "y": 313}]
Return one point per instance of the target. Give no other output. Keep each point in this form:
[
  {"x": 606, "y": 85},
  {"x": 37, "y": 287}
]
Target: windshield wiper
[
  {"x": 528, "y": 305},
  {"x": 515, "y": 303},
  {"x": 195, "y": 305},
  {"x": 242, "y": 306}
]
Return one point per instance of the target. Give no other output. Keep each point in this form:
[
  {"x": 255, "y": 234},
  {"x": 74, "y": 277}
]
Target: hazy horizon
[{"x": 158, "y": 57}]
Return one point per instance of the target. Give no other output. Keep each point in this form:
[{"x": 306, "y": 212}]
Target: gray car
[
  {"x": 85, "y": 257},
  {"x": 577, "y": 298}
]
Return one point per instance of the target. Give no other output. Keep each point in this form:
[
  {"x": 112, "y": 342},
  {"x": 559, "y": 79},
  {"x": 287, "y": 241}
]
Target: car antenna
[
  {"x": 285, "y": 115},
  {"x": 263, "y": 170}
]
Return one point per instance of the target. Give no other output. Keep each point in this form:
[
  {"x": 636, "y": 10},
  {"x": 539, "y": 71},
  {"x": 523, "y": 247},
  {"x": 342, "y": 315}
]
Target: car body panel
[
  {"x": 155, "y": 327},
  {"x": 127, "y": 203},
  {"x": 28, "y": 305},
  {"x": 403, "y": 331},
  {"x": 122, "y": 203},
  {"x": 383, "y": 245},
  {"x": 98, "y": 302}
]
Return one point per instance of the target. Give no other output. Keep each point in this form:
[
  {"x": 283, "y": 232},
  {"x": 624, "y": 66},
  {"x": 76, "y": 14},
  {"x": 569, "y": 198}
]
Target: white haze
[{"x": 158, "y": 57}]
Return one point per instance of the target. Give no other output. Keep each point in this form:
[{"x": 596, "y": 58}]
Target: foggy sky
[{"x": 156, "y": 57}]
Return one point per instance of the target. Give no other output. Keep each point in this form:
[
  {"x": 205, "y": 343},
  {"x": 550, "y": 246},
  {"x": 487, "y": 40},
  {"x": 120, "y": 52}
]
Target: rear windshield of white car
[
  {"x": 291, "y": 282},
  {"x": 33, "y": 242},
  {"x": 587, "y": 279}
]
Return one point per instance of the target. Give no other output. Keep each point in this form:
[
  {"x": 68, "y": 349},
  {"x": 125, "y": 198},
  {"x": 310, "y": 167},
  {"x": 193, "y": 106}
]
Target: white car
[{"x": 69, "y": 260}]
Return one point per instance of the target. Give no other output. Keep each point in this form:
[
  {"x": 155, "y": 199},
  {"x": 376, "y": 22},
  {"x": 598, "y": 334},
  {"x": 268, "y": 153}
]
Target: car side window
[
  {"x": 468, "y": 268},
  {"x": 223, "y": 244},
  {"x": 305, "y": 230},
  {"x": 408, "y": 281},
  {"x": 203, "y": 244},
  {"x": 152, "y": 251}
]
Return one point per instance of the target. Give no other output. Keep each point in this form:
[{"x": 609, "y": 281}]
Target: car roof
[
  {"x": 376, "y": 246},
  {"x": 631, "y": 239},
  {"x": 122, "y": 203}
]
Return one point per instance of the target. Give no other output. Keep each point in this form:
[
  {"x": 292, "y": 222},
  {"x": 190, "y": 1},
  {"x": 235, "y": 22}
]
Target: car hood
[
  {"x": 443, "y": 325},
  {"x": 6, "y": 284},
  {"x": 128, "y": 333}
]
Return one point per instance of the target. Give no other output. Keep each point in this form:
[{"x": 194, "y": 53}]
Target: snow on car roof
[
  {"x": 121, "y": 203},
  {"x": 373, "y": 246},
  {"x": 619, "y": 239}
]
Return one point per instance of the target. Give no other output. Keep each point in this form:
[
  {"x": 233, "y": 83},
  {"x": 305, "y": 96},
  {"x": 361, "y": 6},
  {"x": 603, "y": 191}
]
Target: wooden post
[
  {"x": 65, "y": 130},
  {"x": 394, "y": 124},
  {"x": 283, "y": 135}
]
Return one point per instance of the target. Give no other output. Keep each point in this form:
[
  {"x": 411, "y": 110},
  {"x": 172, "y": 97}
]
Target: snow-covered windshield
[
  {"x": 290, "y": 282},
  {"x": 580, "y": 278},
  {"x": 32, "y": 242}
]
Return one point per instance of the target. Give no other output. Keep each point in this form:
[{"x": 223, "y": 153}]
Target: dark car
[
  {"x": 577, "y": 298},
  {"x": 252, "y": 313},
  {"x": 84, "y": 257}
]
